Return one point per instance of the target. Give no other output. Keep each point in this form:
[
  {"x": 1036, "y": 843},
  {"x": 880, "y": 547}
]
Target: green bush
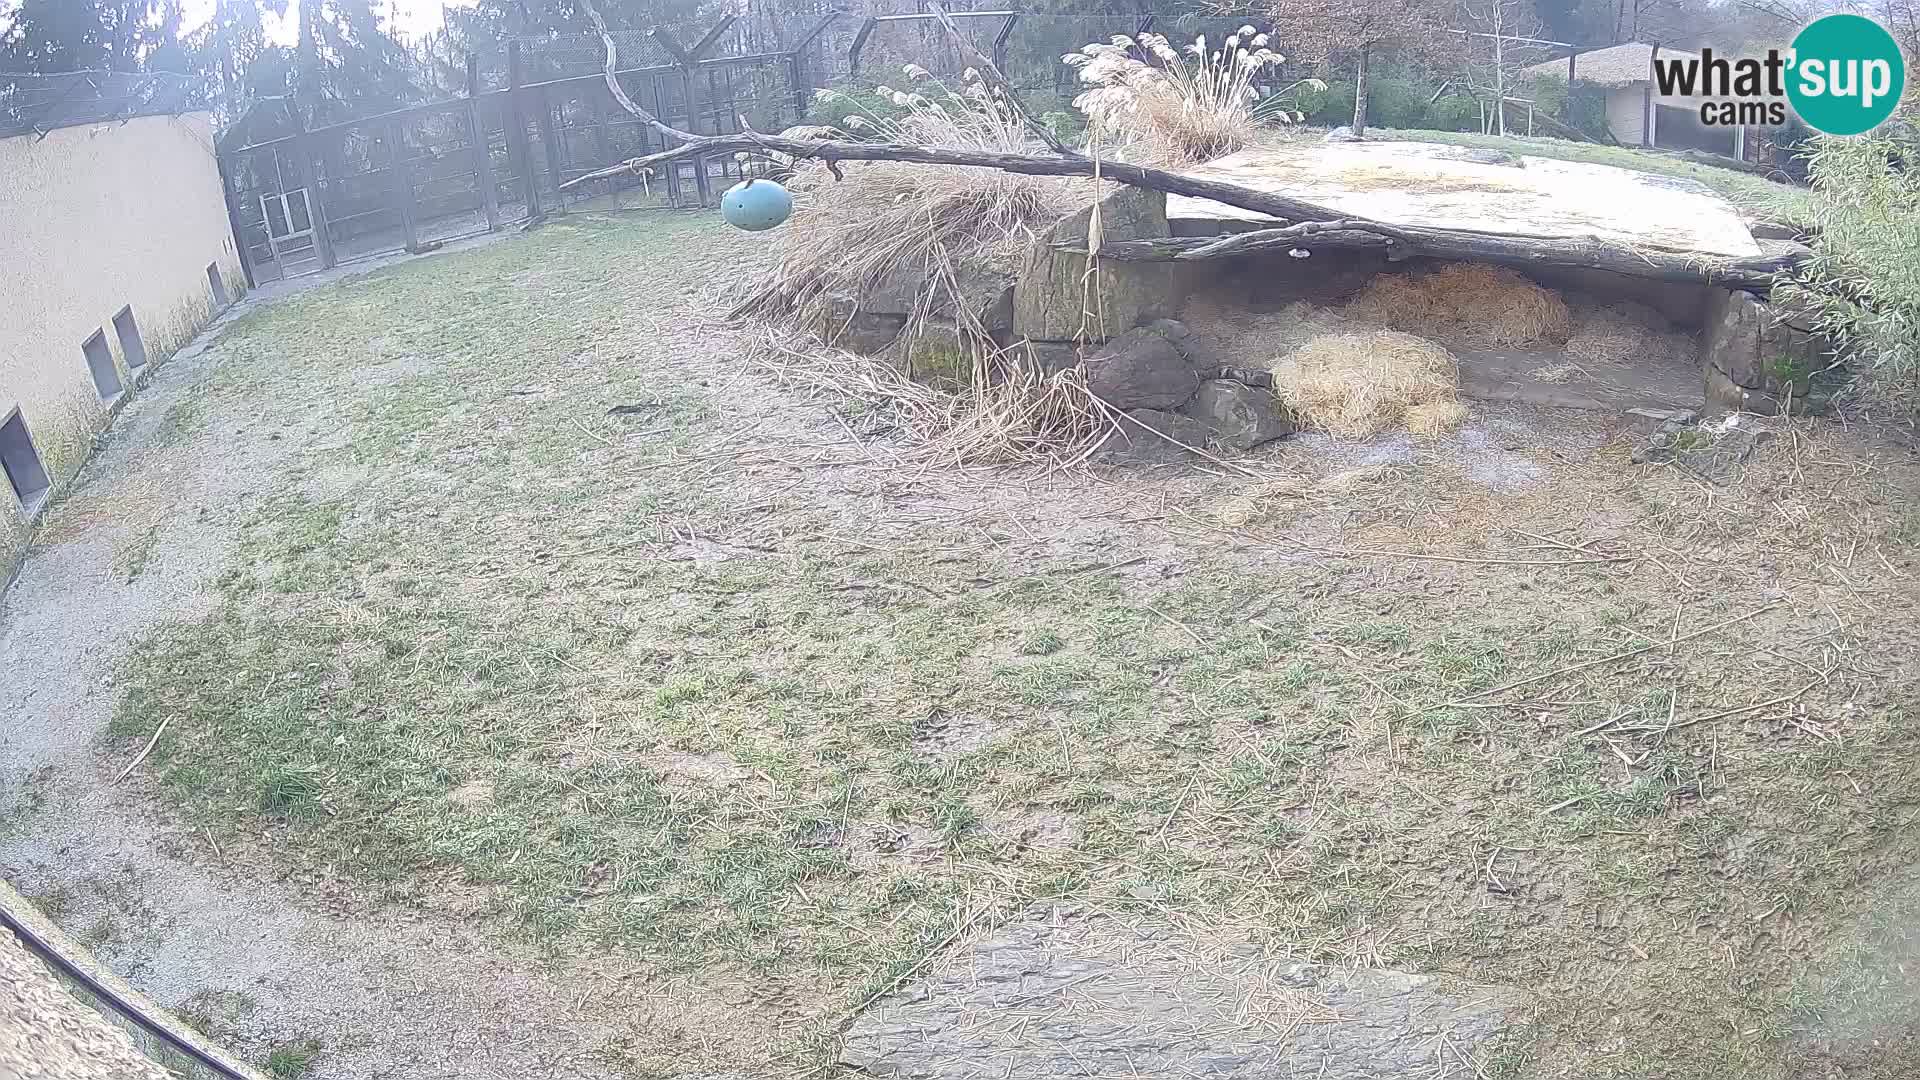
[
  {"x": 1550, "y": 94},
  {"x": 832, "y": 108},
  {"x": 1454, "y": 112},
  {"x": 1393, "y": 101},
  {"x": 1399, "y": 103},
  {"x": 1864, "y": 278},
  {"x": 1332, "y": 106}
]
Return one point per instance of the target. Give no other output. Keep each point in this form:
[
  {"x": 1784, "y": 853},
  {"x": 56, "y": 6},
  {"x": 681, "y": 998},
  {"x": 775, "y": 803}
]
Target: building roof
[
  {"x": 37, "y": 104},
  {"x": 1618, "y": 65}
]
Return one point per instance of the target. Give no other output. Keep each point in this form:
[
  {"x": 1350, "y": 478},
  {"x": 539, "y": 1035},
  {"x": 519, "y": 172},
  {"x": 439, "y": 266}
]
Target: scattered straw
[
  {"x": 1471, "y": 305},
  {"x": 1556, "y": 373},
  {"x": 1007, "y": 414},
  {"x": 1628, "y": 333},
  {"x": 1354, "y": 385},
  {"x": 1435, "y": 417}
]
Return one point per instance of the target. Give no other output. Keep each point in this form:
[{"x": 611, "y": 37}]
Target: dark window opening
[
  {"x": 106, "y": 377},
  {"x": 128, "y": 331},
  {"x": 21, "y": 462},
  {"x": 219, "y": 285}
]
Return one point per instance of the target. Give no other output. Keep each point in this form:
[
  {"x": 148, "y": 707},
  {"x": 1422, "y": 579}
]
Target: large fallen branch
[
  {"x": 1514, "y": 249},
  {"x": 1305, "y": 224}
]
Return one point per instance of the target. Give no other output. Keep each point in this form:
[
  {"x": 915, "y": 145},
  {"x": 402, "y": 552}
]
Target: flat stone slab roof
[{"x": 1458, "y": 187}]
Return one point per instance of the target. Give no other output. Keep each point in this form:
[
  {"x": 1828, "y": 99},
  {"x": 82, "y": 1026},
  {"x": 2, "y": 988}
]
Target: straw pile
[
  {"x": 1358, "y": 384},
  {"x": 942, "y": 226},
  {"x": 1628, "y": 332},
  {"x": 1469, "y": 305}
]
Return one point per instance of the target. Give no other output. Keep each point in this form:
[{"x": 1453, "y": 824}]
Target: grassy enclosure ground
[{"x": 564, "y": 621}]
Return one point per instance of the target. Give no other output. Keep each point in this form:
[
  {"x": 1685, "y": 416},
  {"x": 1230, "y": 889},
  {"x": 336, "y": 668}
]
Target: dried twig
[
  {"x": 1197, "y": 639},
  {"x": 1582, "y": 666},
  {"x": 151, "y": 743},
  {"x": 1724, "y": 713}
]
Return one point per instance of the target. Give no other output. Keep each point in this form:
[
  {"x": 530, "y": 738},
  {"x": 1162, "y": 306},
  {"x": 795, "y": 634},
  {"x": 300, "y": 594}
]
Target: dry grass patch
[
  {"x": 1536, "y": 739},
  {"x": 1360, "y": 384},
  {"x": 1466, "y": 304}
]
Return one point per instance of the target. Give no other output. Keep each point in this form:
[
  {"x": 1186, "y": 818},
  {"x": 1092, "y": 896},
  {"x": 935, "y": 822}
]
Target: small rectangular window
[
  {"x": 106, "y": 377},
  {"x": 21, "y": 462},
  {"x": 128, "y": 332},
  {"x": 219, "y": 285}
]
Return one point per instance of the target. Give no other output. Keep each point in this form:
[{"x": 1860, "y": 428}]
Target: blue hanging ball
[{"x": 756, "y": 205}]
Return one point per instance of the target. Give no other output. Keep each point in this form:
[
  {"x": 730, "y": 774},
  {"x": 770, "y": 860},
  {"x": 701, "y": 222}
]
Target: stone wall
[{"x": 1760, "y": 357}]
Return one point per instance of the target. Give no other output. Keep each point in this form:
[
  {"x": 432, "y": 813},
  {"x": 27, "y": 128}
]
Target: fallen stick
[
  {"x": 1628, "y": 655},
  {"x": 151, "y": 743},
  {"x": 1724, "y": 713}
]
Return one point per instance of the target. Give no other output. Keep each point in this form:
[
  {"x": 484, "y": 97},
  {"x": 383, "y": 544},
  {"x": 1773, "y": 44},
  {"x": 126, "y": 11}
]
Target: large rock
[
  {"x": 1238, "y": 416},
  {"x": 853, "y": 327},
  {"x": 1148, "y": 436},
  {"x": 1052, "y": 297},
  {"x": 1067, "y": 996},
  {"x": 1758, "y": 355},
  {"x": 1141, "y": 369},
  {"x": 982, "y": 292}
]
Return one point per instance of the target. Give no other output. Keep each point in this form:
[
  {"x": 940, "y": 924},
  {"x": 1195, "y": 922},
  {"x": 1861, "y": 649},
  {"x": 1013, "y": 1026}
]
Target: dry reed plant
[
  {"x": 1626, "y": 332},
  {"x": 885, "y": 218},
  {"x": 1181, "y": 106},
  {"x": 1469, "y": 305},
  {"x": 1021, "y": 417},
  {"x": 940, "y": 228},
  {"x": 1359, "y": 384}
]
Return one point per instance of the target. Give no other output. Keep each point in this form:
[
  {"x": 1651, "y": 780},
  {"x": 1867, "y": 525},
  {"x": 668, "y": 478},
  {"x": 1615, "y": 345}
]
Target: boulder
[
  {"x": 855, "y": 328},
  {"x": 1154, "y": 435},
  {"x": 1238, "y": 416},
  {"x": 1172, "y": 329},
  {"x": 1048, "y": 357},
  {"x": 1759, "y": 355},
  {"x": 982, "y": 291},
  {"x": 1141, "y": 370},
  {"x": 1051, "y": 297}
]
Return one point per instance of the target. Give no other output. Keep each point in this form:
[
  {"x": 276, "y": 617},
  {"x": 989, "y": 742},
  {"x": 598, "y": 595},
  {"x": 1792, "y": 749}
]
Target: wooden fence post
[
  {"x": 797, "y": 64},
  {"x": 552, "y": 147},
  {"x": 482, "y": 146},
  {"x": 685, "y": 61},
  {"x": 303, "y": 174},
  {"x": 402, "y": 191},
  {"x": 1648, "y": 117},
  {"x": 235, "y": 221},
  {"x": 517, "y": 149}
]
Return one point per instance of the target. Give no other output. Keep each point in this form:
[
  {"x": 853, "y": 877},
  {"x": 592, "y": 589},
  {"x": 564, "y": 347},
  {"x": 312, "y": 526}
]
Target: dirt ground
[{"x": 547, "y": 693}]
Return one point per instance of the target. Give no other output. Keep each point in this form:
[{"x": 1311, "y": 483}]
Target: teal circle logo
[{"x": 1847, "y": 74}]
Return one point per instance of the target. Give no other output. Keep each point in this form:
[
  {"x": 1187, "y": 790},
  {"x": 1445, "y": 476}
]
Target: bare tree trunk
[
  {"x": 1360, "y": 96},
  {"x": 1500, "y": 68},
  {"x": 1405, "y": 241}
]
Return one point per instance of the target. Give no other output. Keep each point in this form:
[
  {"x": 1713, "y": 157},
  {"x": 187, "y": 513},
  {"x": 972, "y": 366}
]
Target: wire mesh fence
[
  {"x": 38, "y": 104},
  {"x": 520, "y": 148}
]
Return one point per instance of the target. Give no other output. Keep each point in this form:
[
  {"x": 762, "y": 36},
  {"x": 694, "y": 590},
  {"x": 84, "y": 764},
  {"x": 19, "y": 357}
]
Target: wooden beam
[{"x": 1522, "y": 250}]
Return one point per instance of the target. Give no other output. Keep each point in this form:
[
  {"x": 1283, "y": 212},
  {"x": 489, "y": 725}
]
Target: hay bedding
[
  {"x": 1466, "y": 305},
  {"x": 1359, "y": 384},
  {"x": 1626, "y": 333},
  {"x": 1382, "y": 361}
]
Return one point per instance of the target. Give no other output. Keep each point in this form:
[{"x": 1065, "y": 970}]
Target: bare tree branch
[
  {"x": 613, "y": 84},
  {"x": 1310, "y": 225},
  {"x": 990, "y": 73}
]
